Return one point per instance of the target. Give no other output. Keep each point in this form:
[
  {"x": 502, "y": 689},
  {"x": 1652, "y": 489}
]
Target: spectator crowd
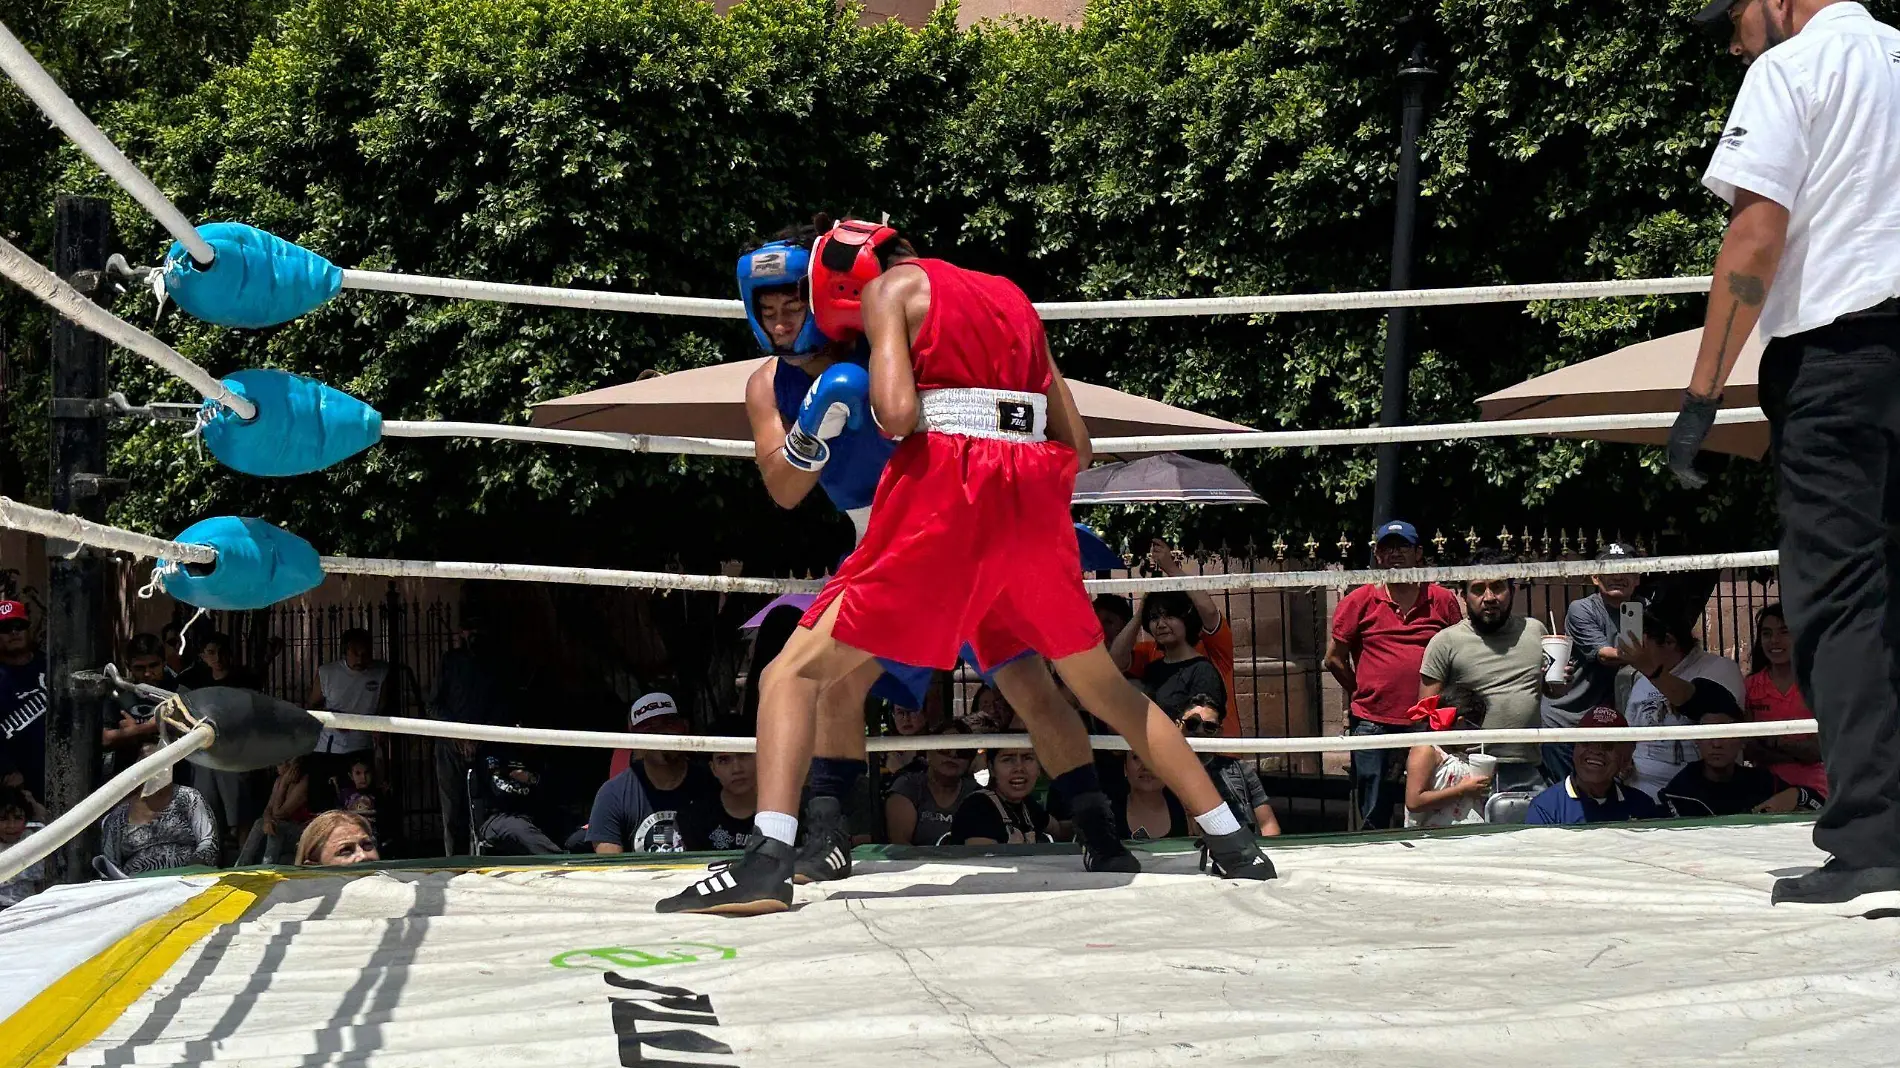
[{"x": 1419, "y": 658}]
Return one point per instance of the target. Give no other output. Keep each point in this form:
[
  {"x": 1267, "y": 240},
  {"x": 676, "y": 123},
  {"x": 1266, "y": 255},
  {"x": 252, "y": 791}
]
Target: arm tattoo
[{"x": 1746, "y": 288}]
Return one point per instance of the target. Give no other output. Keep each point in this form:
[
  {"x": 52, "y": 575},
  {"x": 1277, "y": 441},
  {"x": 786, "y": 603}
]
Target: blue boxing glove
[{"x": 836, "y": 402}]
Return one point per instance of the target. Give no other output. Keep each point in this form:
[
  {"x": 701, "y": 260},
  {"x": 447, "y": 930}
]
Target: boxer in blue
[{"x": 809, "y": 410}]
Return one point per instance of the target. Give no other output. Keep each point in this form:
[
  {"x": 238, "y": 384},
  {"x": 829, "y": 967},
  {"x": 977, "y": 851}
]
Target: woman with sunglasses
[
  {"x": 924, "y": 799},
  {"x": 1237, "y": 780}
]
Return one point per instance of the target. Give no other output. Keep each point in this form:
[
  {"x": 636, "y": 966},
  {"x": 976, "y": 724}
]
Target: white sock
[
  {"x": 1218, "y": 820},
  {"x": 785, "y": 828}
]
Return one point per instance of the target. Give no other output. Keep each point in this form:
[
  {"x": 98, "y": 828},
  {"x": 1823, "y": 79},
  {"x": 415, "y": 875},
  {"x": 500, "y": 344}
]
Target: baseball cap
[
  {"x": 1711, "y": 15},
  {"x": 652, "y": 707},
  {"x": 12, "y": 610},
  {"x": 1603, "y": 716},
  {"x": 1397, "y": 528},
  {"x": 1618, "y": 550}
]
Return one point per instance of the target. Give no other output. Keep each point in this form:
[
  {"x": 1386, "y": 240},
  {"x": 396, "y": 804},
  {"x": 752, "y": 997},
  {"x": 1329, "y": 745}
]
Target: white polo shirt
[{"x": 1816, "y": 129}]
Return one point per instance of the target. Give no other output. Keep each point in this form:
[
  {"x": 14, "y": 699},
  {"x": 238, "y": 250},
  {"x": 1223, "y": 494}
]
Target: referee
[{"x": 1810, "y": 161}]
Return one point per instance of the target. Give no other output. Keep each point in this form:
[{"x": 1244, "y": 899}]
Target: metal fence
[{"x": 1281, "y": 686}]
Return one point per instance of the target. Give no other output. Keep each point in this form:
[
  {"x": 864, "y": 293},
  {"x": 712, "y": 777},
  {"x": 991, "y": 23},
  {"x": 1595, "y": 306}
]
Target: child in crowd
[
  {"x": 15, "y": 811},
  {"x": 1442, "y": 788}
]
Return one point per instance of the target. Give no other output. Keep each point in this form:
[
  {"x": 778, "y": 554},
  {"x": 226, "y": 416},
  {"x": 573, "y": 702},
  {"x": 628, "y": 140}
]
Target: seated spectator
[
  {"x": 160, "y": 826},
  {"x": 14, "y": 812},
  {"x": 1113, "y": 612},
  {"x": 924, "y": 800},
  {"x": 337, "y": 837},
  {"x": 1591, "y": 792},
  {"x": 904, "y": 723},
  {"x": 1179, "y": 669},
  {"x": 1197, "y": 619},
  {"x": 360, "y": 793},
  {"x": 1497, "y": 651},
  {"x": 509, "y": 804},
  {"x": 1770, "y": 693},
  {"x": 637, "y": 811},
  {"x": 723, "y": 820},
  {"x": 990, "y": 712},
  {"x": 274, "y": 837},
  {"x": 1149, "y": 810},
  {"x": 1003, "y": 811},
  {"x": 1442, "y": 789},
  {"x": 1679, "y": 684},
  {"x": 1721, "y": 785},
  {"x": 1237, "y": 780}
]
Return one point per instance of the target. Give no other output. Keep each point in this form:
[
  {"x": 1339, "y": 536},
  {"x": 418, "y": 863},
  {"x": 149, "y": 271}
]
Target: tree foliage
[{"x": 1164, "y": 148}]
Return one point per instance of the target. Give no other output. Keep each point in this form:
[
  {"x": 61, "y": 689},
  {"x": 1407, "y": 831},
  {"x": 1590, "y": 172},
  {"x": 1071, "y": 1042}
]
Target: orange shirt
[{"x": 1218, "y": 647}]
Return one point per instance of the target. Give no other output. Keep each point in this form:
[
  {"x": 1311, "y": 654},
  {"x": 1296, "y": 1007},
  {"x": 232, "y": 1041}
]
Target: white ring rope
[
  {"x": 1051, "y": 311},
  {"x": 17, "y": 516},
  {"x": 26, "y": 272},
  {"x": 94, "y": 807},
  {"x": 37, "y": 847},
  {"x": 904, "y": 743},
  {"x": 40, "y": 88},
  {"x": 659, "y": 444},
  {"x": 1381, "y": 435}
]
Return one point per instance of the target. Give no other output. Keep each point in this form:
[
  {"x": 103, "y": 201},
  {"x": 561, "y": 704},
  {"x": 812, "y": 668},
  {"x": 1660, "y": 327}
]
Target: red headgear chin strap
[{"x": 842, "y": 261}]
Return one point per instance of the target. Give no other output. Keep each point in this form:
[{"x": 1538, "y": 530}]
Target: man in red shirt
[
  {"x": 1379, "y": 637},
  {"x": 969, "y": 538}
]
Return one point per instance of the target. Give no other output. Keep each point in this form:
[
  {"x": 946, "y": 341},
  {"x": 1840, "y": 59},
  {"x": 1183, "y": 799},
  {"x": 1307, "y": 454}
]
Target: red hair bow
[{"x": 1441, "y": 718}]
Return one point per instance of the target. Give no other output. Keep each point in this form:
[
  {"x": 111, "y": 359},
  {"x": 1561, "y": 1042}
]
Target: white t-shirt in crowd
[
  {"x": 1816, "y": 129},
  {"x": 1658, "y": 762},
  {"x": 358, "y": 693}
]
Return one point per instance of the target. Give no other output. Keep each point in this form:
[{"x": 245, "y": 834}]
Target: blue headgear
[{"x": 779, "y": 263}]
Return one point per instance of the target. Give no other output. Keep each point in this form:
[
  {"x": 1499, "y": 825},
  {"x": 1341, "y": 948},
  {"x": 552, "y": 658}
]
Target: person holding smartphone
[
  {"x": 1680, "y": 683},
  {"x": 1592, "y": 625}
]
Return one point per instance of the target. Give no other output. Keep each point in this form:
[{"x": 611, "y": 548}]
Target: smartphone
[{"x": 1630, "y": 628}]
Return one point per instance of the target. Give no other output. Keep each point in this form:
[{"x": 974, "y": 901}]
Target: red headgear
[{"x": 842, "y": 261}]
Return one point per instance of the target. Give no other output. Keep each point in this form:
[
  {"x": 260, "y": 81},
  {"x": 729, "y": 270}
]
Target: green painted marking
[{"x": 610, "y": 957}]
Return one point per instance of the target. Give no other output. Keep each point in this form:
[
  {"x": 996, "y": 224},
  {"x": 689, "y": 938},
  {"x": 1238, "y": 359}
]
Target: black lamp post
[{"x": 1415, "y": 77}]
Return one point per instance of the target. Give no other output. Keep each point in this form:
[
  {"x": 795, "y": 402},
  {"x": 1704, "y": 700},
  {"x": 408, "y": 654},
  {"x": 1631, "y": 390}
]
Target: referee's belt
[{"x": 1001, "y": 414}]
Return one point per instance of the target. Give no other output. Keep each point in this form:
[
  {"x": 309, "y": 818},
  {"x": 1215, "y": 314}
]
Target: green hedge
[{"x": 1167, "y": 147}]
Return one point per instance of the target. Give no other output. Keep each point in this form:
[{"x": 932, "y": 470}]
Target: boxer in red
[{"x": 969, "y": 537}]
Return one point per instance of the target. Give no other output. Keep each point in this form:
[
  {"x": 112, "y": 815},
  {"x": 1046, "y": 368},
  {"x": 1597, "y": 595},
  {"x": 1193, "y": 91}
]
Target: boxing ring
[{"x": 1506, "y": 946}]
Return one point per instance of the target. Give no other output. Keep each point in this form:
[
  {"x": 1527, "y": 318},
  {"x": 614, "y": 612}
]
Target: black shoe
[
  {"x": 1235, "y": 855},
  {"x": 1102, "y": 848},
  {"x": 826, "y": 855},
  {"x": 757, "y": 883},
  {"x": 1836, "y": 887}
]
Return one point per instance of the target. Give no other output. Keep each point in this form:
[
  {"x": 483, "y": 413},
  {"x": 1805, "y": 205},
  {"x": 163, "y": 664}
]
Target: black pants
[
  {"x": 509, "y": 835},
  {"x": 1833, "y": 401}
]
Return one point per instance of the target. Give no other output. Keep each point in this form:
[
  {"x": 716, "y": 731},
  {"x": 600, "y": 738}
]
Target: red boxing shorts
[{"x": 970, "y": 539}]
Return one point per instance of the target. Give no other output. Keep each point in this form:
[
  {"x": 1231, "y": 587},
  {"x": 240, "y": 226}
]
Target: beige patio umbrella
[
  {"x": 1648, "y": 376},
  {"x": 709, "y": 402}
]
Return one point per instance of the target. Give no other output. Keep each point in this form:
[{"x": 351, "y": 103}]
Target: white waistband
[
  {"x": 1002, "y": 414},
  {"x": 860, "y": 520}
]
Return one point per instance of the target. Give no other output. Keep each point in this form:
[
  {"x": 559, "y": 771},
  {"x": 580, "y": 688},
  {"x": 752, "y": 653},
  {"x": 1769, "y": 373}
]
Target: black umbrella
[{"x": 1166, "y": 477}]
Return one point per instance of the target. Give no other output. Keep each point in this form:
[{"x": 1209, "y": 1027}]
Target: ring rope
[
  {"x": 904, "y": 743},
  {"x": 17, "y": 516},
  {"x": 1051, "y": 311},
  {"x": 40, "y": 88},
  {"x": 27, "y": 273}
]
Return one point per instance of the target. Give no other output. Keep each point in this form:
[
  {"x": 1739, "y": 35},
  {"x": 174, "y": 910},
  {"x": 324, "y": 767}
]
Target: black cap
[{"x": 1714, "y": 13}]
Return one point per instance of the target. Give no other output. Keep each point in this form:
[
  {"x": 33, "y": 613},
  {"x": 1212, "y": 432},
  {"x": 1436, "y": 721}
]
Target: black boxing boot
[
  {"x": 1102, "y": 848},
  {"x": 760, "y": 881},
  {"x": 1235, "y": 855},
  {"x": 826, "y": 854}
]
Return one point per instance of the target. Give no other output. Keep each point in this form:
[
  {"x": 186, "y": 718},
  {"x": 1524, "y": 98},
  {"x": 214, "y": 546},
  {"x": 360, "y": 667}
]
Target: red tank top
[{"x": 981, "y": 331}]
